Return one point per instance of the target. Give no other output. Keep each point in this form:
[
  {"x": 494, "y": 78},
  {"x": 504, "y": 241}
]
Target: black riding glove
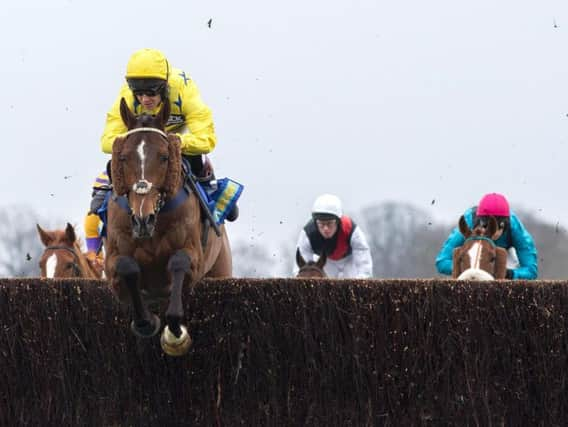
[{"x": 509, "y": 274}]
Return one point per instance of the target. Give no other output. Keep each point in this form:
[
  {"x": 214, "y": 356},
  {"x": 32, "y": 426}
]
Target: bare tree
[{"x": 404, "y": 240}]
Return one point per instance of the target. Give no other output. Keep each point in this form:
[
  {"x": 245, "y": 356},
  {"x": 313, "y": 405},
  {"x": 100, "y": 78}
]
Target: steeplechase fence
[{"x": 290, "y": 352}]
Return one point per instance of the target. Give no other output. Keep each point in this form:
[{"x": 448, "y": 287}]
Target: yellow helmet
[{"x": 147, "y": 64}]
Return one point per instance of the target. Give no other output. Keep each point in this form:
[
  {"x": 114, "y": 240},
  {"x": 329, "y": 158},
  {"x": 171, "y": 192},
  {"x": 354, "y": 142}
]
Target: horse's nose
[
  {"x": 150, "y": 221},
  {"x": 143, "y": 227}
]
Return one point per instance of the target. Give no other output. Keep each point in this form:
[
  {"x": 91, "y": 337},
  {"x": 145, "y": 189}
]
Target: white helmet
[{"x": 327, "y": 204}]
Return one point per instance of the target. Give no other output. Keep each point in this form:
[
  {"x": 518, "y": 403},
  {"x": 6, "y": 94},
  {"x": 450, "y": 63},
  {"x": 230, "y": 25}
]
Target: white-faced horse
[{"x": 479, "y": 258}]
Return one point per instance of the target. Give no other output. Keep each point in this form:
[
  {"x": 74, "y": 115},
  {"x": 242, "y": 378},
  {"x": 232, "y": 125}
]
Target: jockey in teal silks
[{"x": 513, "y": 235}]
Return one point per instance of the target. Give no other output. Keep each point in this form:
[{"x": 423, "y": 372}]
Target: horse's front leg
[
  {"x": 144, "y": 323},
  {"x": 175, "y": 338}
]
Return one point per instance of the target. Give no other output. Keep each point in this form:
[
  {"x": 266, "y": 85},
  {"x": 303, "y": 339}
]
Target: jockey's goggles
[
  {"x": 146, "y": 92},
  {"x": 318, "y": 216},
  {"x": 148, "y": 87}
]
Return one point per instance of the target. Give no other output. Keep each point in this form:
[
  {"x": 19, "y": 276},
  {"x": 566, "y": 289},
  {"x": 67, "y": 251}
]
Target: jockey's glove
[{"x": 509, "y": 274}]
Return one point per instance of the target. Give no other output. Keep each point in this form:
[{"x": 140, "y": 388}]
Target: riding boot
[{"x": 101, "y": 187}]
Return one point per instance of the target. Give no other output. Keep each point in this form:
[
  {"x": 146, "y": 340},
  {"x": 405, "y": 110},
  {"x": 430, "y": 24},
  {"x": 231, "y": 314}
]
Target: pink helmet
[{"x": 493, "y": 204}]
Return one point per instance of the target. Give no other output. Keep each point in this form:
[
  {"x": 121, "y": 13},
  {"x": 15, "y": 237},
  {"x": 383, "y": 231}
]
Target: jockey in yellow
[{"x": 150, "y": 80}]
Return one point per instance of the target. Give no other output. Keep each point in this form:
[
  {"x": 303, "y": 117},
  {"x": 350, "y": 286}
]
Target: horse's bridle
[
  {"x": 74, "y": 265},
  {"x": 143, "y": 186},
  {"x": 481, "y": 238}
]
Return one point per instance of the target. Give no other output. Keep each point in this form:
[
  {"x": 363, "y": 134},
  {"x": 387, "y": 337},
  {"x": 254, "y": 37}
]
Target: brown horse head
[
  {"x": 146, "y": 166},
  {"x": 62, "y": 256},
  {"x": 310, "y": 268},
  {"x": 479, "y": 258}
]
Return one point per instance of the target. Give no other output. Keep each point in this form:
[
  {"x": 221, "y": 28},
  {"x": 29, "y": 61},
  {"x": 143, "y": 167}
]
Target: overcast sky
[{"x": 370, "y": 100}]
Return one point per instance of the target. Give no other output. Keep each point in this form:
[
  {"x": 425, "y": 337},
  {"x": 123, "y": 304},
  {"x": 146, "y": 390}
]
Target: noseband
[{"x": 75, "y": 264}]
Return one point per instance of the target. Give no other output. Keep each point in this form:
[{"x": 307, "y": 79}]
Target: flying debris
[
  {"x": 209, "y": 22},
  {"x": 433, "y": 201},
  {"x": 28, "y": 257}
]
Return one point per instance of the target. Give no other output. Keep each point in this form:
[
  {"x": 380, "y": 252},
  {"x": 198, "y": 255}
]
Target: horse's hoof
[
  {"x": 174, "y": 346},
  {"x": 146, "y": 329}
]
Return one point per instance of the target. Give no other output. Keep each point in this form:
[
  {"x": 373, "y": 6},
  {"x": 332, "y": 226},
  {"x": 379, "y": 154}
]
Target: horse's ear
[
  {"x": 128, "y": 117},
  {"x": 174, "y": 167},
  {"x": 70, "y": 234},
  {"x": 299, "y": 258},
  {"x": 500, "y": 263},
  {"x": 464, "y": 228},
  {"x": 455, "y": 262},
  {"x": 45, "y": 237},
  {"x": 491, "y": 229},
  {"x": 116, "y": 171},
  {"x": 321, "y": 260},
  {"x": 164, "y": 114}
]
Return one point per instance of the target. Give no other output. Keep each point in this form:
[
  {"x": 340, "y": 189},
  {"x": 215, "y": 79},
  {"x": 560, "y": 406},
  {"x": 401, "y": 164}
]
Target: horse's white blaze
[
  {"x": 475, "y": 274},
  {"x": 141, "y": 205},
  {"x": 475, "y": 255},
  {"x": 142, "y": 156},
  {"x": 50, "y": 266}
]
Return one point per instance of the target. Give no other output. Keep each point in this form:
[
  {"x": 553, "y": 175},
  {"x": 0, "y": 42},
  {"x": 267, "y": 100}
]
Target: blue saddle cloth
[{"x": 221, "y": 196}]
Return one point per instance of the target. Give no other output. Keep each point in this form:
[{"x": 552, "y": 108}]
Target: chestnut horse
[
  {"x": 310, "y": 268},
  {"x": 154, "y": 244},
  {"x": 62, "y": 256},
  {"x": 479, "y": 258}
]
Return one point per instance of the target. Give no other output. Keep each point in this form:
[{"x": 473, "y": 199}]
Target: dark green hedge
[{"x": 290, "y": 352}]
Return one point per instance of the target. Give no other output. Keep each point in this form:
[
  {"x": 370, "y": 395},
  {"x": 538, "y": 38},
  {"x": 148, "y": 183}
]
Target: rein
[{"x": 75, "y": 265}]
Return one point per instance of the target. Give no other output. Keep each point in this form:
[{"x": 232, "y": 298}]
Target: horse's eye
[
  {"x": 69, "y": 265},
  {"x": 164, "y": 158}
]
